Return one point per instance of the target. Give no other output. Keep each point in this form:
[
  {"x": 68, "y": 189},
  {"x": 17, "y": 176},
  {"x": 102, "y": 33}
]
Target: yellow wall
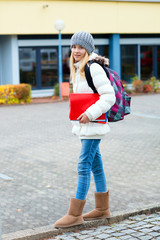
[{"x": 30, "y": 17}]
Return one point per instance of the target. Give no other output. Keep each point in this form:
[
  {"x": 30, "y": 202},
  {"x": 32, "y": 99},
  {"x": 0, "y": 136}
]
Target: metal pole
[
  {"x": 139, "y": 61},
  {"x": 60, "y": 63}
]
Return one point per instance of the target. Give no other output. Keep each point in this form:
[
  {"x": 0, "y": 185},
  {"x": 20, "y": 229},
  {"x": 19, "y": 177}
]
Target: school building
[{"x": 128, "y": 32}]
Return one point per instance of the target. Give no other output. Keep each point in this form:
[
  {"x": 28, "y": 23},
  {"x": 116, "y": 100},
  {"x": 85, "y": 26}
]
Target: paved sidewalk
[
  {"x": 142, "y": 227},
  {"x": 39, "y": 152}
]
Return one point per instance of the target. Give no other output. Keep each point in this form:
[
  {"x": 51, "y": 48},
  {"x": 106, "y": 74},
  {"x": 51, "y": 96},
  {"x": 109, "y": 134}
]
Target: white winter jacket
[{"x": 93, "y": 130}]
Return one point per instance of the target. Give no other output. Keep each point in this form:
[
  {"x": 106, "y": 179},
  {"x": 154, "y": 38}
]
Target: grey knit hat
[{"x": 83, "y": 39}]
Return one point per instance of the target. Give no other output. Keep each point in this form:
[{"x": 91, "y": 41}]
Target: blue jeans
[{"x": 90, "y": 160}]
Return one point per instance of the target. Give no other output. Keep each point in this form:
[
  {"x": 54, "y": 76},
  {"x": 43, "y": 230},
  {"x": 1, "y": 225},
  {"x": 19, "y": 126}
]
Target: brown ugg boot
[
  {"x": 101, "y": 207},
  {"x": 74, "y": 215}
]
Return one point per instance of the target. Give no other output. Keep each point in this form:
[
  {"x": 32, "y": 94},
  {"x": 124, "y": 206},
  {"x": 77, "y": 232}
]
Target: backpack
[{"x": 123, "y": 100}]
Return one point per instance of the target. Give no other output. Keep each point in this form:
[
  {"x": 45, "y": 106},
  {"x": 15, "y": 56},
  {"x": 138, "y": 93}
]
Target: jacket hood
[{"x": 100, "y": 59}]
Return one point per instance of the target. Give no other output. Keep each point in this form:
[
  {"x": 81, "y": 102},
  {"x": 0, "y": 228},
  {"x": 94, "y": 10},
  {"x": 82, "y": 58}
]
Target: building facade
[{"x": 128, "y": 32}]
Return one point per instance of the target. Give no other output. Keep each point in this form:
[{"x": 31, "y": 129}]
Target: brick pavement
[
  {"x": 142, "y": 227},
  {"x": 39, "y": 152}
]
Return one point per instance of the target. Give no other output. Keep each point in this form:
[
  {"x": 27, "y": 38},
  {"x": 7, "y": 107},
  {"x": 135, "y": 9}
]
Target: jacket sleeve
[{"x": 105, "y": 90}]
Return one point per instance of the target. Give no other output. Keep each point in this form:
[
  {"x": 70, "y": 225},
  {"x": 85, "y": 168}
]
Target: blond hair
[{"x": 81, "y": 69}]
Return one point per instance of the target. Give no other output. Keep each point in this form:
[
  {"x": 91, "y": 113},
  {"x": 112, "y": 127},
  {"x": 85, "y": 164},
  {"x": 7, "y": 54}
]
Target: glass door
[
  {"x": 49, "y": 67},
  {"x": 128, "y": 62},
  {"x": 27, "y": 65},
  {"x": 39, "y": 66},
  {"x": 146, "y": 62},
  {"x": 158, "y": 62}
]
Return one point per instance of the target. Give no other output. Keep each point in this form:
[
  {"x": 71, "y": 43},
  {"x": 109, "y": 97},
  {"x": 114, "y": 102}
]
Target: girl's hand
[{"x": 83, "y": 118}]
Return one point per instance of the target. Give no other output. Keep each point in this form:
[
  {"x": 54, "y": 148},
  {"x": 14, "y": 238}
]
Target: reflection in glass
[
  {"x": 27, "y": 65},
  {"x": 66, "y": 52},
  {"x": 158, "y": 61},
  {"x": 102, "y": 50},
  {"x": 146, "y": 62},
  {"x": 49, "y": 67},
  {"x": 128, "y": 62},
  {"x": 46, "y": 66},
  {"x": 106, "y": 51}
]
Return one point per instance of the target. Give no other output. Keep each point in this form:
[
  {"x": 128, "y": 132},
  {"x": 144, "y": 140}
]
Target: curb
[
  {"x": 50, "y": 231},
  {"x": 35, "y": 102}
]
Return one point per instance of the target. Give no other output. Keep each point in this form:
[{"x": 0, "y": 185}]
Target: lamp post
[{"x": 59, "y": 25}]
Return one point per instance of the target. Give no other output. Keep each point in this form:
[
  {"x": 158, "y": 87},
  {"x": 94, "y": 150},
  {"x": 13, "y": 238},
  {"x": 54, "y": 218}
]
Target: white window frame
[
  {"x": 54, "y": 42},
  {"x": 140, "y": 41}
]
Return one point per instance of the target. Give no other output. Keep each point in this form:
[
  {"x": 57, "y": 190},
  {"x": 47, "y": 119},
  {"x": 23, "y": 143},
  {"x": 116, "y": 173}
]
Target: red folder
[{"x": 80, "y": 102}]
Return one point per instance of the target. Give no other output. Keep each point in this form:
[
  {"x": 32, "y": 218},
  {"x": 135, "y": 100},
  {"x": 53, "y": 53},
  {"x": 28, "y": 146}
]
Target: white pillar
[
  {"x": 9, "y": 62},
  {"x": 15, "y": 60}
]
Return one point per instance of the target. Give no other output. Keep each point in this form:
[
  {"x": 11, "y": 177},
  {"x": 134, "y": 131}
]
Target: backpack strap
[
  {"x": 88, "y": 74},
  {"x": 89, "y": 78}
]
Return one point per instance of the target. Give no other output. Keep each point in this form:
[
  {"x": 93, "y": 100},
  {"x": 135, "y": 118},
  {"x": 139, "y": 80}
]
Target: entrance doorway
[{"x": 39, "y": 66}]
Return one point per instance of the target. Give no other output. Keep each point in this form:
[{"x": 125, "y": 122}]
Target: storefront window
[
  {"x": 66, "y": 52},
  {"x": 39, "y": 65},
  {"x": 146, "y": 62},
  {"x": 27, "y": 64},
  {"x": 128, "y": 62},
  {"x": 102, "y": 50},
  {"x": 49, "y": 67},
  {"x": 158, "y": 61}
]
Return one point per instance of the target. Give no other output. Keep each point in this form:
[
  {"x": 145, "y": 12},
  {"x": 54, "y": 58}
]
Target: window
[
  {"x": 44, "y": 56},
  {"x": 27, "y": 65},
  {"x": 66, "y": 52},
  {"x": 39, "y": 65},
  {"x": 102, "y": 50},
  {"x": 146, "y": 62},
  {"x": 158, "y": 62},
  {"x": 128, "y": 62},
  {"x": 49, "y": 67}
]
